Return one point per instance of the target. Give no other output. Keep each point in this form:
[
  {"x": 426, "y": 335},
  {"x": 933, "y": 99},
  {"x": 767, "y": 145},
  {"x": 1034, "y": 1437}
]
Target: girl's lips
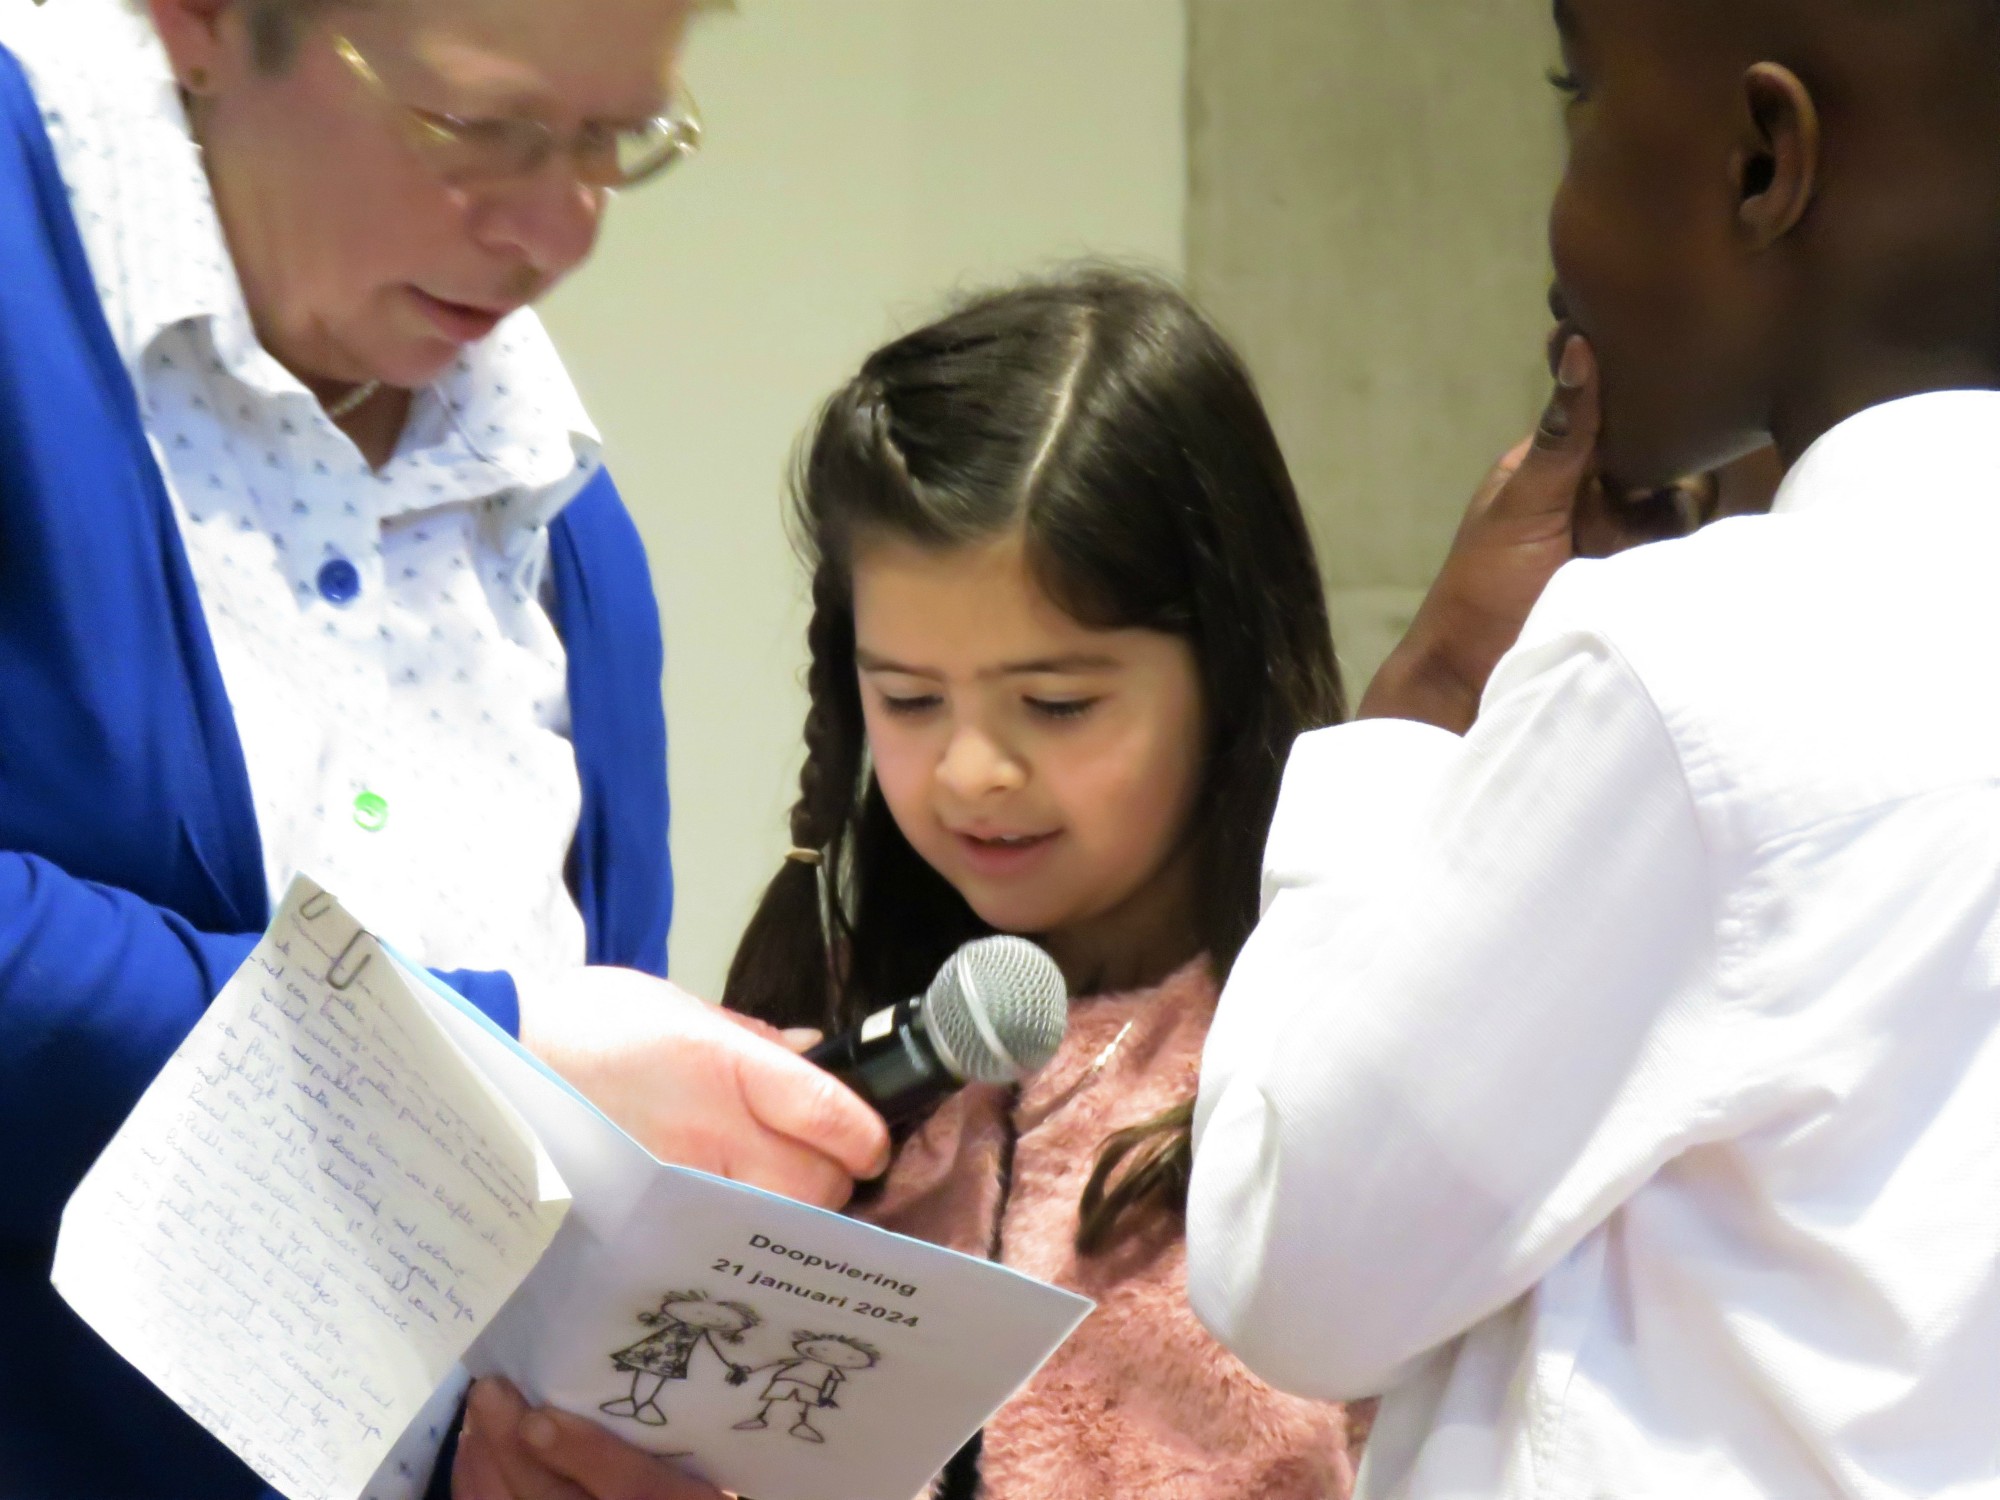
[
  {"x": 998, "y": 859},
  {"x": 455, "y": 320}
]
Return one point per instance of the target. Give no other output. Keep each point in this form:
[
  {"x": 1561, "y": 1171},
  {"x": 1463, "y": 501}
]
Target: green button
[{"x": 371, "y": 812}]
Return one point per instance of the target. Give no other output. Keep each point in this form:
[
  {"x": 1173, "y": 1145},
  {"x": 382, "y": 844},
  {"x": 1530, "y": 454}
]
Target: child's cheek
[
  {"x": 1105, "y": 796},
  {"x": 897, "y": 764},
  {"x": 905, "y": 769}
]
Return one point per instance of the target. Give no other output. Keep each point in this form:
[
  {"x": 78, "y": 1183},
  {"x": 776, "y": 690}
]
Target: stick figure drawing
[
  {"x": 684, "y": 1322},
  {"x": 822, "y": 1362}
]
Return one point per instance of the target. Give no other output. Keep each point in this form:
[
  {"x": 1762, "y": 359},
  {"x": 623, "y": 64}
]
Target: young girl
[{"x": 1067, "y": 624}]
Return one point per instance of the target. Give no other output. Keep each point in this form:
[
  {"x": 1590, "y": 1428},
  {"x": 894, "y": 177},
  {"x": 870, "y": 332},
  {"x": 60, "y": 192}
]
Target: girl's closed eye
[
  {"x": 1061, "y": 709},
  {"x": 909, "y": 705}
]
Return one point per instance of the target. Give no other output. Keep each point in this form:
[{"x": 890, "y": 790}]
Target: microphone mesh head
[{"x": 997, "y": 1010}]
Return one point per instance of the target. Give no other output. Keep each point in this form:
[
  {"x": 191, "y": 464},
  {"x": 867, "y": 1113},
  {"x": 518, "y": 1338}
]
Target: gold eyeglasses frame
[{"x": 514, "y": 147}]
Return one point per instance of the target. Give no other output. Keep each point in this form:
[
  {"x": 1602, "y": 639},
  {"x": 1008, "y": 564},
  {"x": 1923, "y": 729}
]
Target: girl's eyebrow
[
  {"x": 1080, "y": 661},
  {"x": 868, "y": 661},
  {"x": 1054, "y": 665}
]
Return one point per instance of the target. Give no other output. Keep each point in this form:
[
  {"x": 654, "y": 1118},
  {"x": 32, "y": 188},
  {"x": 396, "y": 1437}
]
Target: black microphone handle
[{"x": 889, "y": 1061}]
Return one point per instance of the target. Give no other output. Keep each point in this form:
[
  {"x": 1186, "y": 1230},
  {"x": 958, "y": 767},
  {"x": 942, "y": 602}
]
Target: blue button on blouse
[{"x": 339, "y": 582}]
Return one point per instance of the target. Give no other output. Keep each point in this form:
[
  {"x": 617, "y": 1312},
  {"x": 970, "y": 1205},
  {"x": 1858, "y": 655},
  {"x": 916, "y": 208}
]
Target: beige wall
[
  {"x": 1366, "y": 216},
  {"x": 866, "y": 156}
]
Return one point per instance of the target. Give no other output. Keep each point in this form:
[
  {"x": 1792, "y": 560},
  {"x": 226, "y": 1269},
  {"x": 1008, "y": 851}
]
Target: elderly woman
[{"x": 306, "y": 563}]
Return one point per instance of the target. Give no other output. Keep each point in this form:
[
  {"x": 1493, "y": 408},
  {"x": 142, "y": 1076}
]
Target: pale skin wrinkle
[{"x": 358, "y": 262}]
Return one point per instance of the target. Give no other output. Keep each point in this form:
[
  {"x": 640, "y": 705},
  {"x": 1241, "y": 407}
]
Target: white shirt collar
[
  {"x": 505, "y": 404},
  {"x": 1940, "y": 449}
]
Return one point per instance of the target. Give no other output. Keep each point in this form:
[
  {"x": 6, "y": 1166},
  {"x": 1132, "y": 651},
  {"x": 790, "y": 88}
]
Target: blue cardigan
[{"x": 131, "y": 874}]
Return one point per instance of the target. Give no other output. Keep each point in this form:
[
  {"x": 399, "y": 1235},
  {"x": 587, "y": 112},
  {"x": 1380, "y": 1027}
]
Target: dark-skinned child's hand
[{"x": 1542, "y": 506}]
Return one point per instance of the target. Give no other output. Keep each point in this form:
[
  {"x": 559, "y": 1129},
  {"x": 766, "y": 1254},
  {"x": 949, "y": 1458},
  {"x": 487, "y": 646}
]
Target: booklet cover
[{"x": 347, "y": 1187}]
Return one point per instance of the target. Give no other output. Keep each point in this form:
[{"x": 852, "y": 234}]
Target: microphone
[{"x": 995, "y": 1013}]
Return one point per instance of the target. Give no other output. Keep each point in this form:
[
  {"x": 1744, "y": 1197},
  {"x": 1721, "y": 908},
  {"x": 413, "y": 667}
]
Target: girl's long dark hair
[{"x": 1100, "y": 415}]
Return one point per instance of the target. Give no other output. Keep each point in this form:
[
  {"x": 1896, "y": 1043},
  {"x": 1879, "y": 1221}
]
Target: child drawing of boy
[{"x": 810, "y": 1379}]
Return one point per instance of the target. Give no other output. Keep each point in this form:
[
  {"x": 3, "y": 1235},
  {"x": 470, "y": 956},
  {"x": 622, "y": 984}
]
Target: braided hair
[{"x": 1100, "y": 416}]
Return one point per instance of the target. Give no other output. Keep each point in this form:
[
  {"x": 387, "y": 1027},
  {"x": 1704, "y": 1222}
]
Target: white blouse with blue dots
[{"x": 396, "y": 680}]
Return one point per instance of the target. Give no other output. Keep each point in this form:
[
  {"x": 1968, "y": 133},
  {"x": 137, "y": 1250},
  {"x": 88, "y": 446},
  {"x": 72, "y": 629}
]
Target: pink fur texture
[{"x": 1142, "y": 1402}]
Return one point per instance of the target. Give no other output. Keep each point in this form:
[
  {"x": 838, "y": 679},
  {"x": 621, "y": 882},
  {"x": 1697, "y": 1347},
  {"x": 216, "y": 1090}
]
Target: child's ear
[{"x": 1777, "y": 169}]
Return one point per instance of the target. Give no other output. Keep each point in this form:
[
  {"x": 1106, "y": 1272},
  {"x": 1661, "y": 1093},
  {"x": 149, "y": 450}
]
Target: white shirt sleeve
[{"x": 1480, "y": 1012}]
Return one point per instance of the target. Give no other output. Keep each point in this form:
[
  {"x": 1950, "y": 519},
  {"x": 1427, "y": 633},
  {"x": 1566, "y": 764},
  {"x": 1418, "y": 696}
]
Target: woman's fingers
[
  {"x": 701, "y": 1088},
  {"x": 808, "y": 1107},
  {"x": 792, "y": 1038},
  {"x": 602, "y": 1466},
  {"x": 493, "y": 1463},
  {"x": 509, "y": 1452}
]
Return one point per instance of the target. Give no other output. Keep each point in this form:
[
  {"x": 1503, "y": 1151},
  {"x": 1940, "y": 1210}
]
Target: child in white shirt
[{"x": 1613, "y": 1079}]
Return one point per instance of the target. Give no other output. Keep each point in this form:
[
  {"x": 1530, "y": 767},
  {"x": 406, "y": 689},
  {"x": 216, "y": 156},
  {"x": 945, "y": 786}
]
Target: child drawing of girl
[{"x": 685, "y": 1321}]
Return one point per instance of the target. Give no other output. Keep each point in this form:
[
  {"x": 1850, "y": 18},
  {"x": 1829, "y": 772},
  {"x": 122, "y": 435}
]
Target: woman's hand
[
  {"x": 508, "y": 1452},
  {"x": 1541, "y": 507},
  {"x": 701, "y": 1088}
]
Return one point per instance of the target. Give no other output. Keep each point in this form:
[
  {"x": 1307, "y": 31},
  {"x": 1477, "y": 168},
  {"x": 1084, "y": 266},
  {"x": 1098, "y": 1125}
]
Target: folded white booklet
[{"x": 347, "y": 1181}]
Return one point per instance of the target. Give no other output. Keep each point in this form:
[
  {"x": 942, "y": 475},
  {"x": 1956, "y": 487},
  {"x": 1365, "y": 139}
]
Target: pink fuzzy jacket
[{"x": 1141, "y": 1402}]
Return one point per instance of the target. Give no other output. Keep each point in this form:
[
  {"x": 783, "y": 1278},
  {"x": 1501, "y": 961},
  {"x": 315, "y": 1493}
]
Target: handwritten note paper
[
  {"x": 312, "y": 1213},
  {"x": 346, "y": 1176}
]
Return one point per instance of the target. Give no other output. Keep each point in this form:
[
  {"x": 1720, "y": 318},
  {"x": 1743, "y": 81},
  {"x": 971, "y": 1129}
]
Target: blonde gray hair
[{"x": 275, "y": 26}]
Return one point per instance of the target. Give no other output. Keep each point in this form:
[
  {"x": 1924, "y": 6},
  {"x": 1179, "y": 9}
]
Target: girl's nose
[{"x": 975, "y": 765}]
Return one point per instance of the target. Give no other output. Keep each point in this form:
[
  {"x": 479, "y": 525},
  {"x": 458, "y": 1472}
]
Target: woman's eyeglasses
[{"x": 469, "y": 151}]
